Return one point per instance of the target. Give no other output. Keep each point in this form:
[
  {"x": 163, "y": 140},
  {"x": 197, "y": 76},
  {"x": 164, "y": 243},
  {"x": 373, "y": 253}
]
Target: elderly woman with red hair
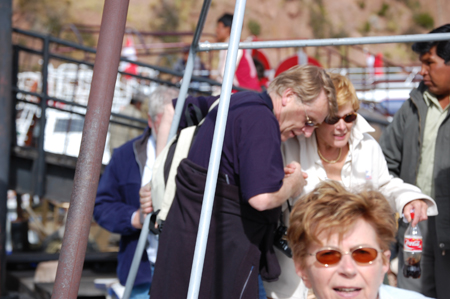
[{"x": 340, "y": 243}]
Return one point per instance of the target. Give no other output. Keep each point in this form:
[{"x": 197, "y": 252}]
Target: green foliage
[
  {"x": 167, "y": 19},
  {"x": 167, "y": 60},
  {"x": 366, "y": 28},
  {"x": 424, "y": 20},
  {"x": 254, "y": 27},
  {"x": 88, "y": 40},
  {"x": 361, "y": 4},
  {"x": 340, "y": 33},
  {"x": 411, "y": 4},
  {"x": 318, "y": 20},
  {"x": 414, "y": 29},
  {"x": 383, "y": 10},
  {"x": 46, "y": 15},
  {"x": 392, "y": 26}
]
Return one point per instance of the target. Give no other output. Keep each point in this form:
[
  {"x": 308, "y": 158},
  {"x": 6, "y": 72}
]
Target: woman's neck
[
  {"x": 327, "y": 151},
  {"x": 333, "y": 159}
]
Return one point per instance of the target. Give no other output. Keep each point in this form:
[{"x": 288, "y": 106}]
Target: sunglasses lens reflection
[
  {"x": 350, "y": 117},
  {"x": 328, "y": 257},
  {"x": 361, "y": 255},
  {"x": 347, "y": 118},
  {"x": 331, "y": 121},
  {"x": 364, "y": 255}
]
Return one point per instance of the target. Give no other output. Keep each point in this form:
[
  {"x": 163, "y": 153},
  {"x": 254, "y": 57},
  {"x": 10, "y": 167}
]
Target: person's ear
[
  {"x": 286, "y": 96},
  {"x": 303, "y": 274},
  {"x": 386, "y": 260}
]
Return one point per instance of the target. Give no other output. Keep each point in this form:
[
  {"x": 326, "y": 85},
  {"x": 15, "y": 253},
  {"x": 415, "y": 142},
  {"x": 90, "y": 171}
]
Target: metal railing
[
  {"x": 44, "y": 97},
  {"x": 67, "y": 283}
]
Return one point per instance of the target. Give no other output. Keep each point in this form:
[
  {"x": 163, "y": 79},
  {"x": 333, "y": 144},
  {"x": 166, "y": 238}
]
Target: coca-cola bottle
[{"x": 412, "y": 251}]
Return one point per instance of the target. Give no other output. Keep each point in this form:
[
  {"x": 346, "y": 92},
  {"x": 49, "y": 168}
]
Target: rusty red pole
[{"x": 92, "y": 146}]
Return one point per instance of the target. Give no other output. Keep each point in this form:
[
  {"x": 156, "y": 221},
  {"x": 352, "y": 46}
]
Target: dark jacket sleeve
[
  {"x": 391, "y": 140},
  {"x": 118, "y": 195}
]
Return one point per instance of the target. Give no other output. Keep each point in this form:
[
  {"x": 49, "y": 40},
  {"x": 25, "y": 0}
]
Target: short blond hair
[
  {"x": 330, "y": 209},
  {"x": 345, "y": 91},
  {"x": 306, "y": 82}
]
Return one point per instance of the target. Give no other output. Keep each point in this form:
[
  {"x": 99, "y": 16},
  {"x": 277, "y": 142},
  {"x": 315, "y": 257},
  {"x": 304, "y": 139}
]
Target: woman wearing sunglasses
[
  {"x": 341, "y": 149},
  {"x": 340, "y": 243}
]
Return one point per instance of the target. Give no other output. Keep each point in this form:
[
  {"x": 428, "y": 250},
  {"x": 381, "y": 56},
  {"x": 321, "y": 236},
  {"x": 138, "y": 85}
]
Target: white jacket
[
  {"x": 388, "y": 292},
  {"x": 364, "y": 165}
]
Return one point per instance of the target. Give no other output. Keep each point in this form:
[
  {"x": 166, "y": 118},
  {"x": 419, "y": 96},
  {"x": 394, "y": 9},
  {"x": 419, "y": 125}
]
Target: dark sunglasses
[
  {"x": 348, "y": 118},
  {"x": 361, "y": 255}
]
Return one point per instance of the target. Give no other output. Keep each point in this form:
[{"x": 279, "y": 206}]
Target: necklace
[{"x": 330, "y": 161}]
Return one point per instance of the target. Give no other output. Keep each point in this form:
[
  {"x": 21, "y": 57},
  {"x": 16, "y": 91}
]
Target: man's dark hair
[
  {"x": 226, "y": 19},
  {"x": 442, "y": 47}
]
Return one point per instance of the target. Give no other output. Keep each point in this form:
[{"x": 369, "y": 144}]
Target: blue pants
[
  {"x": 140, "y": 291},
  {"x": 262, "y": 291}
]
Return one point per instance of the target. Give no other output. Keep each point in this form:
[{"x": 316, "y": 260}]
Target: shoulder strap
[
  {"x": 197, "y": 114},
  {"x": 216, "y": 102},
  {"x": 181, "y": 152},
  {"x": 158, "y": 183},
  {"x": 183, "y": 145}
]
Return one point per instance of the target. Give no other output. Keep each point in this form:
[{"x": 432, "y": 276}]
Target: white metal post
[{"x": 216, "y": 152}]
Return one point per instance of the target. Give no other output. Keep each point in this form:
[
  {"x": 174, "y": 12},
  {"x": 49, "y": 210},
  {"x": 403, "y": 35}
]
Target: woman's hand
[
  {"x": 145, "y": 198},
  {"x": 294, "y": 169},
  {"x": 136, "y": 220},
  {"x": 420, "y": 211},
  {"x": 290, "y": 169}
]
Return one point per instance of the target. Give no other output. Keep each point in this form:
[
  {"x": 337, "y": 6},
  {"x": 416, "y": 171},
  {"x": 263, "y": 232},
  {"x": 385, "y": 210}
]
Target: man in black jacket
[{"x": 417, "y": 149}]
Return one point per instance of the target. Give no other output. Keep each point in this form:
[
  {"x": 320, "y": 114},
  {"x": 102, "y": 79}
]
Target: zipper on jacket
[
  {"x": 420, "y": 140},
  {"x": 246, "y": 282}
]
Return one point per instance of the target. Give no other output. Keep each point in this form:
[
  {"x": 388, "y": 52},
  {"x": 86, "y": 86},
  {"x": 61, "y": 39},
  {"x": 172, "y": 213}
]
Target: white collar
[{"x": 360, "y": 127}]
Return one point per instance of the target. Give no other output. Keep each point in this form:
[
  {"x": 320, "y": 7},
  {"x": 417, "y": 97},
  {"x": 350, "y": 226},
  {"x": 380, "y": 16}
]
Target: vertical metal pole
[
  {"x": 137, "y": 258},
  {"x": 216, "y": 152},
  {"x": 14, "y": 80},
  {"x": 5, "y": 126},
  {"x": 39, "y": 179},
  {"x": 188, "y": 70},
  {"x": 92, "y": 146}
]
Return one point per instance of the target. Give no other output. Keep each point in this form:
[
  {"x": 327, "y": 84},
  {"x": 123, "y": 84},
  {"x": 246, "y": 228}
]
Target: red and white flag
[{"x": 129, "y": 52}]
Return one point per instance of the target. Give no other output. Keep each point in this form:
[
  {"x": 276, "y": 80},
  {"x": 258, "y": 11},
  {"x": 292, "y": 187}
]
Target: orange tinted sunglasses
[{"x": 332, "y": 256}]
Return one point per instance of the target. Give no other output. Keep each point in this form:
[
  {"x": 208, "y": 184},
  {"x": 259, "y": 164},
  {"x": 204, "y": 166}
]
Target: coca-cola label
[{"x": 413, "y": 244}]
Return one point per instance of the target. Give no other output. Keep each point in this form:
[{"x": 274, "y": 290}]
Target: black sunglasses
[{"x": 348, "y": 118}]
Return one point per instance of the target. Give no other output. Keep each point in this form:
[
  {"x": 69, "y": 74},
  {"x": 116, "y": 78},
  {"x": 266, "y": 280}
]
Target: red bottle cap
[{"x": 412, "y": 215}]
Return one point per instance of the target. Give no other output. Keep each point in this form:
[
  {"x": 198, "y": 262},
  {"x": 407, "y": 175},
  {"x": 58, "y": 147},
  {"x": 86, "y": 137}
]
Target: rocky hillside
[{"x": 269, "y": 19}]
